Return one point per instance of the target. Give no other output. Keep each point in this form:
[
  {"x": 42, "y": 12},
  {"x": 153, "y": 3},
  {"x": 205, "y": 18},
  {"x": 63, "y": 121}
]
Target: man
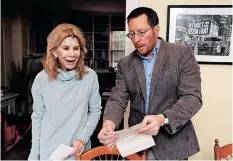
[{"x": 162, "y": 82}]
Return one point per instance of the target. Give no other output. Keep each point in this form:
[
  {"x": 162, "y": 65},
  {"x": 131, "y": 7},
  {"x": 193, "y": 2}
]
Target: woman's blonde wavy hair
[{"x": 54, "y": 39}]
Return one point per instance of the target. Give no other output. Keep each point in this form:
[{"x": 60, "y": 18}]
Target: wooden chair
[
  {"x": 103, "y": 153},
  {"x": 222, "y": 152}
]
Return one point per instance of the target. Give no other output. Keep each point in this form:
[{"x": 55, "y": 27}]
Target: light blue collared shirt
[{"x": 148, "y": 68}]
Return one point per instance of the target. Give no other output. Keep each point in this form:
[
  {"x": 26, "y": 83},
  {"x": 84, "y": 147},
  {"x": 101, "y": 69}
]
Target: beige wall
[
  {"x": 214, "y": 120},
  {"x": 15, "y": 44},
  {"x": 17, "y": 41},
  {"x": 6, "y": 49}
]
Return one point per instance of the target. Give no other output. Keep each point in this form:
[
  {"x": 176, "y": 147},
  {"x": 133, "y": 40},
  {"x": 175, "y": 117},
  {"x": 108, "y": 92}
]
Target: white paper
[
  {"x": 128, "y": 142},
  {"x": 61, "y": 152}
]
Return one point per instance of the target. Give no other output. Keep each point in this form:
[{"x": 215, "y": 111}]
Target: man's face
[{"x": 143, "y": 36}]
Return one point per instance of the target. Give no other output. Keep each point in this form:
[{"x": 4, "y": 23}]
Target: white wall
[{"x": 130, "y": 5}]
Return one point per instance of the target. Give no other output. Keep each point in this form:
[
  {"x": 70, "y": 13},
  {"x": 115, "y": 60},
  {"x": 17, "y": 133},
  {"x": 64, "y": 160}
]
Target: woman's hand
[{"x": 78, "y": 146}]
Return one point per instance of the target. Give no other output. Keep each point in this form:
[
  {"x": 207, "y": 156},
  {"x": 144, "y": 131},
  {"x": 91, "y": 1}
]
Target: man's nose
[{"x": 136, "y": 38}]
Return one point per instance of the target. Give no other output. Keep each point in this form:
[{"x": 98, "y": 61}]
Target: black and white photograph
[{"x": 207, "y": 29}]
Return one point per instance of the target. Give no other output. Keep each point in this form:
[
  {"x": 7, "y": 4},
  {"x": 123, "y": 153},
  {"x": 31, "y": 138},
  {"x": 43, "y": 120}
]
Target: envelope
[
  {"x": 128, "y": 142},
  {"x": 61, "y": 152}
]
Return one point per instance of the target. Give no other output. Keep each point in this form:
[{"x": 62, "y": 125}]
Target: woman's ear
[{"x": 54, "y": 54}]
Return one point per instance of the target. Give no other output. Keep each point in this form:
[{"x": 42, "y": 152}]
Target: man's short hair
[{"x": 152, "y": 16}]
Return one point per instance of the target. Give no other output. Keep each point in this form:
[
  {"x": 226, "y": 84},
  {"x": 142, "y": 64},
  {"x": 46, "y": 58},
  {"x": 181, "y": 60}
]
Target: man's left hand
[{"x": 151, "y": 124}]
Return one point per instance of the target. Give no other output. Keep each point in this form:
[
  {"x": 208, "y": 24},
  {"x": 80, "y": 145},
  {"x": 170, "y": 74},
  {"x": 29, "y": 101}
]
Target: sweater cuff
[
  {"x": 84, "y": 139},
  {"x": 33, "y": 156}
]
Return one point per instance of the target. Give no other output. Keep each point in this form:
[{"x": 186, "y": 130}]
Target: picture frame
[{"x": 206, "y": 28}]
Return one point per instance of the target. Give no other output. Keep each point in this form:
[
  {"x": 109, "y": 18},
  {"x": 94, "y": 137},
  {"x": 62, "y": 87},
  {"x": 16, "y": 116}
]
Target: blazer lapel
[
  {"x": 159, "y": 63},
  {"x": 138, "y": 64}
]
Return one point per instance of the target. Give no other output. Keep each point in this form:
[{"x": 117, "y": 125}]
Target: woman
[{"x": 67, "y": 104}]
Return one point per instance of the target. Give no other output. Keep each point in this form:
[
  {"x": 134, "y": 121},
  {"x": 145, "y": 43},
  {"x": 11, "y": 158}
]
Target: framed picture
[{"x": 206, "y": 28}]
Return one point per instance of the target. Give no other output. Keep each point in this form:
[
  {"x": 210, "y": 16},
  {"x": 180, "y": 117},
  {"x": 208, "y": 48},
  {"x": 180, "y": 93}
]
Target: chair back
[
  {"x": 104, "y": 153},
  {"x": 222, "y": 152}
]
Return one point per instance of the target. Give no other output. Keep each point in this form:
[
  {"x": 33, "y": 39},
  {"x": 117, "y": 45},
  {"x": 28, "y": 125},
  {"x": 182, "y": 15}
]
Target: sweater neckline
[{"x": 66, "y": 75}]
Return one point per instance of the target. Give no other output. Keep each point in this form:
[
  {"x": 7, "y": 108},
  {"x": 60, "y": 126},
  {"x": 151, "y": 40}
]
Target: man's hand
[
  {"x": 79, "y": 147},
  {"x": 106, "y": 134},
  {"x": 151, "y": 124}
]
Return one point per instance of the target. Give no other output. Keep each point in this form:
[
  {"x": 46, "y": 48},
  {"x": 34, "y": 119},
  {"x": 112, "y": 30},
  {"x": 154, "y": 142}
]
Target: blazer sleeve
[
  {"x": 118, "y": 101},
  {"x": 189, "y": 93}
]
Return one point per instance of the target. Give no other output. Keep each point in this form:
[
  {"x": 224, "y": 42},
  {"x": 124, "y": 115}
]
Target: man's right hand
[{"x": 107, "y": 135}]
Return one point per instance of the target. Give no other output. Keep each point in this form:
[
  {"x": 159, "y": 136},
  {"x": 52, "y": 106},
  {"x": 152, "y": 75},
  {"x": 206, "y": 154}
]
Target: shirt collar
[{"x": 155, "y": 51}]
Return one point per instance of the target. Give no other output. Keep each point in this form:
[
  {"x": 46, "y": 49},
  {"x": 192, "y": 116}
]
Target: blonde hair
[{"x": 54, "y": 39}]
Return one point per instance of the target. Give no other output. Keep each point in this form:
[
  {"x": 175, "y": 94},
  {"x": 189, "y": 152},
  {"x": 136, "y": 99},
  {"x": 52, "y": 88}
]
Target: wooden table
[{"x": 8, "y": 101}]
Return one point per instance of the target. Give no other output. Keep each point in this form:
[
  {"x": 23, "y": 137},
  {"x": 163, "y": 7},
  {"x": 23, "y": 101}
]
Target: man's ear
[{"x": 157, "y": 28}]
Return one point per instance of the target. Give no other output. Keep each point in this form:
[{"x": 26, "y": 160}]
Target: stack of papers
[
  {"x": 129, "y": 142},
  {"x": 61, "y": 152}
]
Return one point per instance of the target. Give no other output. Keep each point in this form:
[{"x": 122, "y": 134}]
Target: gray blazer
[{"x": 175, "y": 90}]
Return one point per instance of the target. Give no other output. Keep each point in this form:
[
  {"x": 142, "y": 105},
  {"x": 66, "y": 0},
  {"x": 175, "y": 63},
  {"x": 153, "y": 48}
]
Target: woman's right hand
[
  {"x": 79, "y": 147},
  {"x": 107, "y": 135}
]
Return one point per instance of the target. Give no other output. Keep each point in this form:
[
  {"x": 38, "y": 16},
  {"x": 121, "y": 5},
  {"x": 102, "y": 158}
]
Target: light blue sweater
[{"x": 64, "y": 110}]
